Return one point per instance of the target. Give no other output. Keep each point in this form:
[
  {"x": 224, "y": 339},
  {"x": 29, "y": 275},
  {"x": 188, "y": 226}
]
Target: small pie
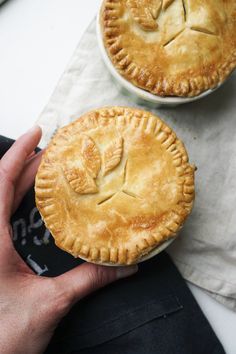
[
  {"x": 171, "y": 47},
  {"x": 114, "y": 185}
]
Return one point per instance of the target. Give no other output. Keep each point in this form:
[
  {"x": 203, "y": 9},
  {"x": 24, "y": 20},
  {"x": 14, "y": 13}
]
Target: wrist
[{"x": 19, "y": 335}]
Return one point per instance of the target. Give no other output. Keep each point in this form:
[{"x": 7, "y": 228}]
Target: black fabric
[{"x": 150, "y": 312}]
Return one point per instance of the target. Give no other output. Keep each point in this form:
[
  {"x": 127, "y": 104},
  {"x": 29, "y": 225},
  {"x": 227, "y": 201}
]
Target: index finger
[
  {"x": 12, "y": 163},
  {"x": 26, "y": 179},
  {"x": 11, "y": 166}
]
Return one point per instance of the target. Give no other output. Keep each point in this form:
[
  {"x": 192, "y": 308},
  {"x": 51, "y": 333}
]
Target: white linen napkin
[{"x": 205, "y": 251}]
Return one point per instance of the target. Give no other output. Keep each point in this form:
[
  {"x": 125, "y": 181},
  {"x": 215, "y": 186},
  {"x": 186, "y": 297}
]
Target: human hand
[{"x": 31, "y": 306}]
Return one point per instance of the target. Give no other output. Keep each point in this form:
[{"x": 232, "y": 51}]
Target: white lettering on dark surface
[
  {"x": 19, "y": 230},
  {"x": 36, "y": 266},
  {"x": 21, "y": 227},
  {"x": 35, "y": 220},
  {"x": 27, "y": 230}
]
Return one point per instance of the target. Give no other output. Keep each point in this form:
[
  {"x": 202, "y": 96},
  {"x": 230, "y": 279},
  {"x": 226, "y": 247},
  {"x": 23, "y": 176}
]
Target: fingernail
[
  {"x": 123, "y": 272},
  {"x": 33, "y": 129}
]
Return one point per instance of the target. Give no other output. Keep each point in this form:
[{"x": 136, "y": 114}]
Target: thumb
[{"x": 89, "y": 277}]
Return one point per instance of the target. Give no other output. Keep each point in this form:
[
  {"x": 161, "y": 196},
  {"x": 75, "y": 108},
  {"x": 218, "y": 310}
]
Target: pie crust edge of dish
[
  {"x": 45, "y": 181},
  {"x": 120, "y": 59}
]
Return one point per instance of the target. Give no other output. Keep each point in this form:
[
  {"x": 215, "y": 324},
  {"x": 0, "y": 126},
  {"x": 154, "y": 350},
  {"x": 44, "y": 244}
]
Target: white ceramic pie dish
[
  {"x": 157, "y": 250},
  {"x": 136, "y": 93}
]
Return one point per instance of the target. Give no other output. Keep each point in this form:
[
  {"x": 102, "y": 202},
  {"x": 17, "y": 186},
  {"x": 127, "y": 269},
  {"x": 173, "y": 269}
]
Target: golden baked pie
[
  {"x": 171, "y": 47},
  {"x": 114, "y": 185}
]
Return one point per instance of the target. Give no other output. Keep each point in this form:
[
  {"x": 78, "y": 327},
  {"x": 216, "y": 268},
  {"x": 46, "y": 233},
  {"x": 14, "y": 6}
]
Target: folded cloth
[
  {"x": 150, "y": 312},
  {"x": 205, "y": 250}
]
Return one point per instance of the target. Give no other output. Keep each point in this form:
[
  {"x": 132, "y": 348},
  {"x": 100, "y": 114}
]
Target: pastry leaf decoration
[
  {"x": 81, "y": 175},
  {"x": 80, "y": 180},
  {"x": 112, "y": 155},
  {"x": 91, "y": 156},
  {"x": 145, "y": 13}
]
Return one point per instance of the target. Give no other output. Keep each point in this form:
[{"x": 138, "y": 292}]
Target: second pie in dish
[
  {"x": 114, "y": 185},
  {"x": 171, "y": 47}
]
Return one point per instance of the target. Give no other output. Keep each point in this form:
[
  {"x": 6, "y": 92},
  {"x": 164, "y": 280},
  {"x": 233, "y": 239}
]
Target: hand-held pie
[
  {"x": 114, "y": 185},
  {"x": 171, "y": 47}
]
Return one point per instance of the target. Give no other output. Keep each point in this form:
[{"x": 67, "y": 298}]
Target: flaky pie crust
[
  {"x": 171, "y": 47},
  {"x": 114, "y": 185}
]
